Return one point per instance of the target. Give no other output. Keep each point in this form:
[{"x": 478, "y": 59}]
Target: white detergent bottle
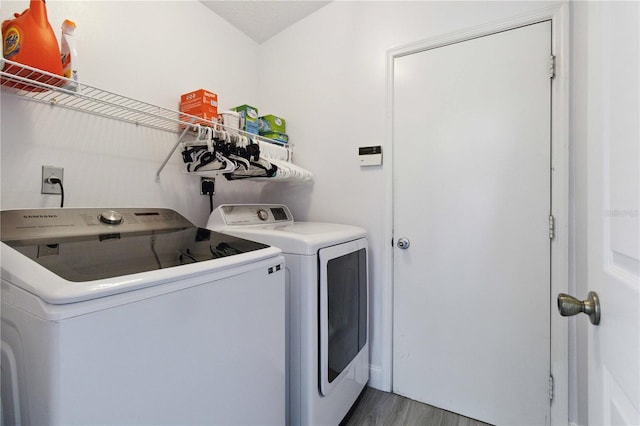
[{"x": 69, "y": 55}]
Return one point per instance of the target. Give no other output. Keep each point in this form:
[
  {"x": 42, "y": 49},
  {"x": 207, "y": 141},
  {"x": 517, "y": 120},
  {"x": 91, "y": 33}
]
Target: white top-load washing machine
[
  {"x": 327, "y": 293},
  {"x": 136, "y": 316}
]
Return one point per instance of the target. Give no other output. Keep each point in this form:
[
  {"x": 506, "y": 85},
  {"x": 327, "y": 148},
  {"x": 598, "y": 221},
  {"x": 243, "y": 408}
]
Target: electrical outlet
[
  {"x": 207, "y": 186},
  {"x": 51, "y": 171}
]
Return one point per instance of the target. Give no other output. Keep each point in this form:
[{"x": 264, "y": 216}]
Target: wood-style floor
[{"x": 386, "y": 409}]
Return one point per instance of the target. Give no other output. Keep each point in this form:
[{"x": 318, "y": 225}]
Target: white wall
[
  {"x": 326, "y": 75},
  {"x": 151, "y": 51}
]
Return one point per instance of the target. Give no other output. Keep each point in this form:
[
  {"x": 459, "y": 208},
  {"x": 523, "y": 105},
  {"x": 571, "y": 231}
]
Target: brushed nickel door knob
[{"x": 569, "y": 306}]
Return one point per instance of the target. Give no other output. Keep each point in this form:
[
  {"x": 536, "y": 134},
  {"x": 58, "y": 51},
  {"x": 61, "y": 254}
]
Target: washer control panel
[
  {"x": 46, "y": 223},
  {"x": 251, "y": 214}
]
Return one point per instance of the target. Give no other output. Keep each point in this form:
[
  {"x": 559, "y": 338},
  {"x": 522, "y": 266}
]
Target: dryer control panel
[{"x": 251, "y": 214}]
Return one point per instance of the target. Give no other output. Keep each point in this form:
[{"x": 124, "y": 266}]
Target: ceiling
[{"x": 262, "y": 19}]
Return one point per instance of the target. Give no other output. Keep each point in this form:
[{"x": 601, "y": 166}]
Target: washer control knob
[
  {"x": 111, "y": 217},
  {"x": 262, "y": 214}
]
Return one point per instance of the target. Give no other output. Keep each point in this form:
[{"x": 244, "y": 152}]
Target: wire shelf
[{"x": 45, "y": 87}]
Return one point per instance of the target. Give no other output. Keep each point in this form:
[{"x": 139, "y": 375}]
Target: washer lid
[
  {"x": 68, "y": 255},
  {"x": 96, "y": 257}
]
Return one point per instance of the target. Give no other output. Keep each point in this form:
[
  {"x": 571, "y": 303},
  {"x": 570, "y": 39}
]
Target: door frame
[{"x": 558, "y": 14}]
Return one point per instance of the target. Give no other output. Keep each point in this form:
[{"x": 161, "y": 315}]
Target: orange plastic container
[{"x": 29, "y": 39}]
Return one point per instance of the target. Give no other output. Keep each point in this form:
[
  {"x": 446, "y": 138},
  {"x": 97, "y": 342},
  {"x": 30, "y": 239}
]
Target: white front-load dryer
[{"x": 327, "y": 306}]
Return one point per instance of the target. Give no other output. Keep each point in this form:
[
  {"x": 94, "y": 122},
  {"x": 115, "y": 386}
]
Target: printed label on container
[
  {"x": 66, "y": 64},
  {"x": 11, "y": 42}
]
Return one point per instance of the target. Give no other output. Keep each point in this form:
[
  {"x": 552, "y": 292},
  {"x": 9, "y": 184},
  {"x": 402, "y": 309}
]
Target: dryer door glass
[{"x": 343, "y": 310}]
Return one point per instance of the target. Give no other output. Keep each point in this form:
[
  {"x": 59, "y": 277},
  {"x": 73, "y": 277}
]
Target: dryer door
[{"x": 343, "y": 309}]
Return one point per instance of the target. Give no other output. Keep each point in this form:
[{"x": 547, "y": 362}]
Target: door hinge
[
  {"x": 552, "y": 227},
  {"x": 552, "y": 66},
  {"x": 550, "y": 388}
]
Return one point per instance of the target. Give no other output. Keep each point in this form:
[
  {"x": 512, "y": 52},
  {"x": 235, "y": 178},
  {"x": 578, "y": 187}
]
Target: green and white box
[
  {"x": 276, "y": 136},
  {"x": 248, "y": 118},
  {"x": 272, "y": 124}
]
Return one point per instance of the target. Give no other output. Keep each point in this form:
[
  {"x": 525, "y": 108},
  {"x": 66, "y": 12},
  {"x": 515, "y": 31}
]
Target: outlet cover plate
[{"x": 48, "y": 171}]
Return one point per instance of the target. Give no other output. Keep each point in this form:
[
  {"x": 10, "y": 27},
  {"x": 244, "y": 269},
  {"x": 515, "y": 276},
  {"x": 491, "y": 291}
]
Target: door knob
[
  {"x": 569, "y": 306},
  {"x": 403, "y": 243}
]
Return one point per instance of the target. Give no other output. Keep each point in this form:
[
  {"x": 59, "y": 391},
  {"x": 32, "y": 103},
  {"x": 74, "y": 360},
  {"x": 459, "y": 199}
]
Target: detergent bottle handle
[{"x": 38, "y": 10}]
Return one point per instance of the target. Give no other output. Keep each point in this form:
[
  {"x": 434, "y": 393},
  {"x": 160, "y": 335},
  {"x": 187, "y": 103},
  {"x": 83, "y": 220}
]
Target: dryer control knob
[
  {"x": 262, "y": 214},
  {"x": 111, "y": 217}
]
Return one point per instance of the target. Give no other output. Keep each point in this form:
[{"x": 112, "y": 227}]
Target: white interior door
[
  {"x": 471, "y": 137},
  {"x": 613, "y": 215}
]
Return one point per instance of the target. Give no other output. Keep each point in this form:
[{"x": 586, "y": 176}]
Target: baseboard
[{"x": 377, "y": 379}]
